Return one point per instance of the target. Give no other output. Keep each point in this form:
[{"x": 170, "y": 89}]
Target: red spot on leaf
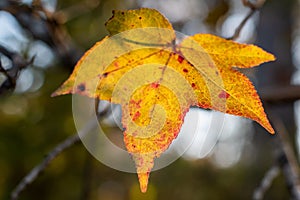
[
  {"x": 136, "y": 115},
  {"x": 185, "y": 70},
  {"x": 154, "y": 85},
  {"x": 193, "y": 85},
  {"x": 224, "y": 95},
  {"x": 136, "y": 103},
  {"x": 180, "y": 59},
  {"x": 116, "y": 64}
]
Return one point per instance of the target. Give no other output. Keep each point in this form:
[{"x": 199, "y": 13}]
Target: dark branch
[
  {"x": 35, "y": 172},
  {"x": 18, "y": 64},
  {"x": 266, "y": 182},
  {"x": 241, "y": 25},
  {"x": 286, "y": 158},
  {"x": 254, "y": 7},
  {"x": 45, "y": 26},
  {"x": 280, "y": 94},
  {"x": 56, "y": 151},
  {"x": 285, "y": 161}
]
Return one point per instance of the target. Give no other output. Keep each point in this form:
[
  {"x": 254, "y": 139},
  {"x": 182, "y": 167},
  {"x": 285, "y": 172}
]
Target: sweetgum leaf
[{"x": 155, "y": 81}]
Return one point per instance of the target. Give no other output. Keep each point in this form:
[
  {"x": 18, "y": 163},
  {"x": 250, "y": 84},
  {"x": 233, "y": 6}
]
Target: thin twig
[
  {"x": 45, "y": 26},
  {"x": 18, "y": 64},
  {"x": 67, "y": 143},
  {"x": 35, "y": 172},
  {"x": 241, "y": 25},
  {"x": 266, "y": 182},
  {"x": 254, "y": 7},
  {"x": 287, "y": 159}
]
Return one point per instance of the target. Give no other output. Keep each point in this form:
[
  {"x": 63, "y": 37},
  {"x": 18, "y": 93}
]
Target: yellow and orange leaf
[{"x": 156, "y": 81}]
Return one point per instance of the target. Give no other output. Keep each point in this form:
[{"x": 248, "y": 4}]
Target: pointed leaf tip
[
  {"x": 232, "y": 54},
  {"x": 143, "y": 179},
  {"x": 270, "y": 129}
]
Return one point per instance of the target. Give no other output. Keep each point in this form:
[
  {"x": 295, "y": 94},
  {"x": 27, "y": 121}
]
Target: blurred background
[{"x": 41, "y": 41}]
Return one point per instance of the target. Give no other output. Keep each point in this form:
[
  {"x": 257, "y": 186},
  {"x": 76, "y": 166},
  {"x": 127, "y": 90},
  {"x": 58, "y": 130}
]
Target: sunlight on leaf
[{"x": 156, "y": 81}]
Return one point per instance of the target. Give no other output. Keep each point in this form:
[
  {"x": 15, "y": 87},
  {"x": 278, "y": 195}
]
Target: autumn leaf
[{"x": 156, "y": 81}]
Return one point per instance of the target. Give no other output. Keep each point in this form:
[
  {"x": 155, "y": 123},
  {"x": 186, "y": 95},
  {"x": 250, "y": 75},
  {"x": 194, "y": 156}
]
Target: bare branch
[
  {"x": 67, "y": 143},
  {"x": 286, "y": 161},
  {"x": 35, "y": 172},
  {"x": 254, "y": 7},
  {"x": 266, "y": 182},
  {"x": 280, "y": 94},
  {"x": 18, "y": 64},
  {"x": 47, "y": 27},
  {"x": 286, "y": 158},
  {"x": 241, "y": 26}
]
